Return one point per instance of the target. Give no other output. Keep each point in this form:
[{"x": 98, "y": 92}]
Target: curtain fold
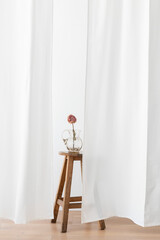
[
  {"x": 152, "y": 204},
  {"x": 26, "y": 110},
  {"x": 121, "y": 145}
]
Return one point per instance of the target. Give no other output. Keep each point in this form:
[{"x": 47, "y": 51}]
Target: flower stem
[{"x": 73, "y": 135}]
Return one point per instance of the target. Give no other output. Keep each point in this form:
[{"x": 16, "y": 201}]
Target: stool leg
[
  {"x": 60, "y": 191},
  {"x": 66, "y": 199},
  {"x": 81, "y": 169},
  {"x": 102, "y": 224}
]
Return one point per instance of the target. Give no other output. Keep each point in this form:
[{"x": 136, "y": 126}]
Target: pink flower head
[{"x": 71, "y": 119}]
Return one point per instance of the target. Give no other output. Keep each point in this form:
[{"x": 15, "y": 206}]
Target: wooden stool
[{"x": 68, "y": 202}]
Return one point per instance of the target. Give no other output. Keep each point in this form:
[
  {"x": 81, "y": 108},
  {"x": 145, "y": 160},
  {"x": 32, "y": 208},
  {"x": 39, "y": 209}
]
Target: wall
[{"x": 69, "y": 60}]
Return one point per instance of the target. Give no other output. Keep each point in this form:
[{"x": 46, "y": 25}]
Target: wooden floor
[{"x": 117, "y": 229}]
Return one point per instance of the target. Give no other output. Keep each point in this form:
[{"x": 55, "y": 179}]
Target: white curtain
[
  {"x": 25, "y": 110},
  {"x": 122, "y": 112}
]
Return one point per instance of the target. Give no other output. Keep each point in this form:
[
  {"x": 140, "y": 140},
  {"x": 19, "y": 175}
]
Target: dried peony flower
[{"x": 71, "y": 119}]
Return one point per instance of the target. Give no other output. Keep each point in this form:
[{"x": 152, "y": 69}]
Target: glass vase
[{"x": 72, "y": 140}]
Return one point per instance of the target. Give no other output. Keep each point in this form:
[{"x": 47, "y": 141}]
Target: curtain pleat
[
  {"x": 26, "y": 110},
  {"x": 121, "y": 143}
]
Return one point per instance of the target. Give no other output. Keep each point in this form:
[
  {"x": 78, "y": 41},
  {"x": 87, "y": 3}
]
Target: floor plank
[{"x": 116, "y": 229}]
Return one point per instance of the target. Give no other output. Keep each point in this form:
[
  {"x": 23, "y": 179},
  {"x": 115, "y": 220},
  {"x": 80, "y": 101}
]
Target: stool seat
[
  {"x": 72, "y": 154},
  {"x": 67, "y": 202}
]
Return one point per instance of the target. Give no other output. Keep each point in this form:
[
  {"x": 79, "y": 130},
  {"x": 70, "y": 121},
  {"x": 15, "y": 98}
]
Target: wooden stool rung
[
  {"x": 60, "y": 202},
  {"x": 73, "y": 199},
  {"x": 72, "y": 203},
  {"x": 75, "y": 205}
]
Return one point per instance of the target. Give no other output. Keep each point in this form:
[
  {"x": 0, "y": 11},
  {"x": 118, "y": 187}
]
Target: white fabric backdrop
[
  {"x": 25, "y": 110},
  {"x": 121, "y": 164},
  {"x": 122, "y": 113}
]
